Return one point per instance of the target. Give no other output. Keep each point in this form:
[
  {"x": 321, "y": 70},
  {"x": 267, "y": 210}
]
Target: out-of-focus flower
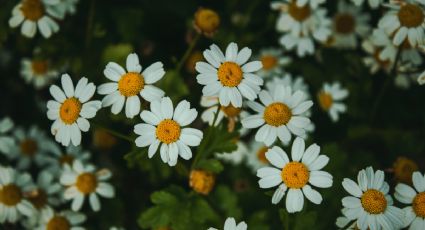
[
  {"x": 372, "y": 3},
  {"x": 330, "y": 97},
  {"x": 227, "y": 76},
  {"x": 127, "y": 86},
  {"x": 6, "y": 141},
  {"x": 65, "y": 7},
  {"x": 206, "y": 21},
  {"x": 165, "y": 126},
  {"x": 421, "y": 78},
  {"x": 273, "y": 62},
  {"x": 61, "y": 220},
  {"x": 235, "y": 157},
  {"x": 71, "y": 109},
  {"x": 279, "y": 114},
  {"x": 414, "y": 215},
  {"x": 374, "y": 60},
  {"x": 369, "y": 202},
  {"x": 296, "y": 83},
  {"x": 256, "y": 156},
  {"x": 59, "y": 157},
  {"x": 37, "y": 72},
  {"x": 295, "y": 176},
  {"x": 201, "y": 181},
  {"x": 230, "y": 224},
  {"x": 102, "y": 139},
  {"x": 403, "y": 168},
  {"x": 83, "y": 181},
  {"x": 193, "y": 58}
]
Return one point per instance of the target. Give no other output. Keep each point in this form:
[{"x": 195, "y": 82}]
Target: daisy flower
[
  {"x": 229, "y": 76},
  {"x": 61, "y": 220},
  {"x": 83, "y": 181},
  {"x": 296, "y": 83},
  {"x": 33, "y": 14},
  {"x": 330, "y": 97},
  {"x": 372, "y": 3},
  {"x": 59, "y": 158},
  {"x": 37, "y": 72},
  {"x": 414, "y": 215},
  {"x": 6, "y": 142},
  {"x": 256, "y": 156},
  {"x": 30, "y": 147},
  {"x": 164, "y": 129},
  {"x": 295, "y": 176},
  {"x": 301, "y": 26},
  {"x": 230, "y": 224},
  {"x": 127, "y": 86},
  {"x": 369, "y": 203},
  {"x": 279, "y": 115},
  {"x": 206, "y": 21},
  {"x": 374, "y": 60},
  {"x": 272, "y": 60},
  {"x": 13, "y": 186},
  {"x": 406, "y": 20},
  {"x": 71, "y": 109},
  {"x": 349, "y": 23}
]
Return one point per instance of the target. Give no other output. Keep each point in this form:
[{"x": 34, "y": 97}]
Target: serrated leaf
[{"x": 211, "y": 165}]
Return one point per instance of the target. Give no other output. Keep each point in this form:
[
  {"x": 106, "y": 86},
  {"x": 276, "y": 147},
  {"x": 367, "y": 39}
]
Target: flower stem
[{"x": 188, "y": 52}]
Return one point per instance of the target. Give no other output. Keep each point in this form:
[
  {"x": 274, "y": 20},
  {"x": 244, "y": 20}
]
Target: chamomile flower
[
  {"x": 59, "y": 157},
  {"x": 37, "y": 72},
  {"x": 30, "y": 147},
  {"x": 71, "y": 109},
  {"x": 374, "y": 60},
  {"x": 296, "y": 83},
  {"x": 165, "y": 129},
  {"x": 206, "y": 21},
  {"x": 369, "y": 202},
  {"x": 273, "y": 61},
  {"x": 229, "y": 77},
  {"x": 414, "y": 215},
  {"x": 61, "y": 220},
  {"x": 6, "y": 142},
  {"x": 372, "y": 3},
  {"x": 301, "y": 25},
  {"x": 230, "y": 224},
  {"x": 406, "y": 20},
  {"x": 330, "y": 97},
  {"x": 295, "y": 176},
  {"x": 33, "y": 14},
  {"x": 279, "y": 115},
  {"x": 83, "y": 181},
  {"x": 349, "y": 23},
  {"x": 13, "y": 203},
  {"x": 127, "y": 86},
  {"x": 256, "y": 156}
]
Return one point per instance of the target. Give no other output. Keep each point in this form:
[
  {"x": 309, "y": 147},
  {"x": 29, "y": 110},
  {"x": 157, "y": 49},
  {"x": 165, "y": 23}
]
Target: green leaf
[
  {"x": 226, "y": 201},
  {"x": 211, "y": 165}
]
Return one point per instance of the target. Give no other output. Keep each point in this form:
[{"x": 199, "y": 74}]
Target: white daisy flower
[
  {"x": 370, "y": 204},
  {"x": 273, "y": 61},
  {"x": 372, "y": 3},
  {"x": 295, "y": 176},
  {"x": 37, "y": 72},
  {"x": 127, "y": 86},
  {"x": 256, "y": 156},
  {"x": 414, "y": 215},
  {"x": 6, "y": 141},
  {"x": 59, "y": 158},
  {"x": 33, "y": 14},
  {"x": 373, "y": 60},
  {"x": 61, "y": 220},
  {"x": 235, "y": 157},
  {"x": 230, "y": 224},
  {"x": 296, "y": 83},
  {"x": 13, "y": 186},
  {"x": 71, "y": 109},
  {"x": 406, "y": 20},
  {"x": 30, "y": 147},
  {"x": 330, "y": 97},
  {"x": 279, "y": 115},
  {"x": 165, "y": 126},
  {"x": 83, "y": 181},
  {"x": 349, "y": 23},
  {"x": 301, "y": 26},
  {"x": 227, "y": 76}
]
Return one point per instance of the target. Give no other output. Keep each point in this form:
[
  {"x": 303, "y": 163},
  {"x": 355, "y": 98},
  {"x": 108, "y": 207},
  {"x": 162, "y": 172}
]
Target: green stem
[
  {"x": 188, "y": 52},
  {"x": 115, "y": 133},
  {"x": 286, "y": 220}
]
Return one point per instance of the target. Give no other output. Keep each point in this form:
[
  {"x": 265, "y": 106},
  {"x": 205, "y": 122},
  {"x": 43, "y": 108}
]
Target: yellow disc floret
[
  {"x": 325, "y": 100},
  {"x": 70, "y": 110},
  {"x": 32, "y": 9},
  {"x": 230, "y": 74},
  {"x": 131, "y": 84},
  {"x": 39, "y": 67},
  {"x": 344, "y": 23},
  {"x": 58, "y": 223},
  {"x": 28, "y": 147},
  {"x": 277, "y": 114},
  {"x": 299, "y": 13},
  {"x": 269, "y": 62},
  {"x": 411, "y": 15},
  {"x": 86, "y": 183},
  {"x": 206, "y": 21},
  {"x": 38, "y": 198},
  {"x": 10, "y": 195},
  {"x": 418, "y": 205},
  {"x": 201, "y": 181},
  {"x": 168, "y": 131},
  {"x": 403, "y": 169},
  {"x": 373, "y": 201},
  {"x": 261, "y": 154},
  {"x": 295, "y": 175},
  {"x": 231, "y": 111}
]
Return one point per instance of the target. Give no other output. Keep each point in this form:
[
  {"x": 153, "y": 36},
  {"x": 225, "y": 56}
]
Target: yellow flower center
[
  {"x": 70, "y": 110},
  {"x": 344, "y": 23},
  {"x": 411, "y": 15},
  {"x": 277, "y": 114},
  {"x": 131, "y": 84},
  {"x": 38, "y": 198},
  {"x": 201, "y": 181},
  {"x": 230, "y": 74},
  {"x": 58, "y": 223},
  {"x": 268, "y": 61},
  {"x": 373, "y": 201},
  {"x": 32, "y": 9},
  {"x": 403, "y": 169},
  {"x": 295, "y": 175},
  {"x": 325, "y": 100},
  {"x": 299, "y": 13},
  {"x": 39, "y": 67},
  {"x": 207, "y": 20},
  {"x": 66, "y": 159},
  {"x": 168, "y": 131},
  {"x": 231, "y": 111},
  {"x": 261, "y": 155},
  {"x": 10, "y": 195},
  {"x": 28, "y": 147},
  {"x": 86, "y": 183},
  {"x": 419, "y": 205}
]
